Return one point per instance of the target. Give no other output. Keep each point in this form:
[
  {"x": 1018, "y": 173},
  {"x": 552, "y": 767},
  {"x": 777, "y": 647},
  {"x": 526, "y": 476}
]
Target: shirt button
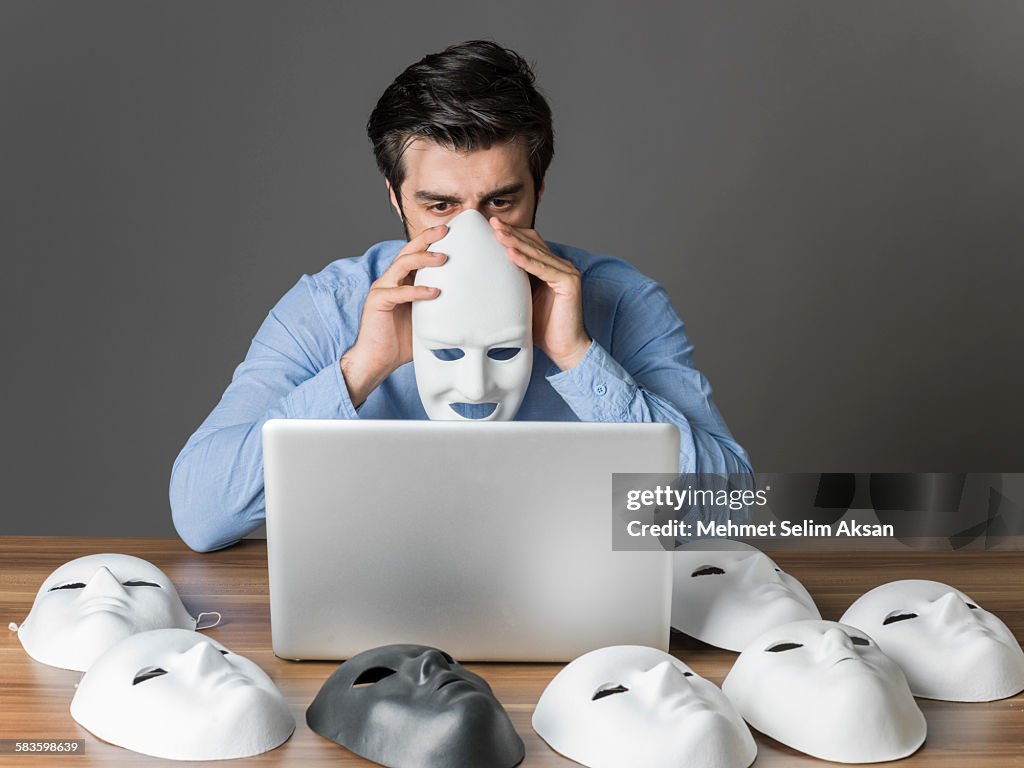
[{"x": 600, "y": 389}]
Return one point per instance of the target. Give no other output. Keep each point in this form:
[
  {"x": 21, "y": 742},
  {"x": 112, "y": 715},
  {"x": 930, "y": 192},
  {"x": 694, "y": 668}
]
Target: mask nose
[
  {"x": 200, "y": 660},
  {"x": 758, "y": 568},
  {"x": 836, "y": 642},
  {"x": 104, "y": 584},
  {"x": 950, "y": 609},
  {"x": 429, "y": 663},
  {"x": 472, "y": 382},
  {"x": 661, "y": 681}
]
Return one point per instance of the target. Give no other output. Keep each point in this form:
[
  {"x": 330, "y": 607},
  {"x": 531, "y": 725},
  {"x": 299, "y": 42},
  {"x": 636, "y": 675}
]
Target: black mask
[{"x": 412, "y": 706}]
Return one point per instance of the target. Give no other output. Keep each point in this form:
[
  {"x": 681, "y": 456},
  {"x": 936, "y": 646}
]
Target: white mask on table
[
  {"x": 638, "y": 706},
  {"x": 473, "y": 344},
  {"x": 826, "y": 689},
  {"x": 92, "y": 602},
  {"x": 181, "y": 695},
  {"x": 726, "y": 593},
  {"x": 948, "y": 646}
]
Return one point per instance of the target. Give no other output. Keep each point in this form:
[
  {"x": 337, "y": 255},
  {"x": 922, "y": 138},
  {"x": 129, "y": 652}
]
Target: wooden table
[{"x": 34, "y": 698}]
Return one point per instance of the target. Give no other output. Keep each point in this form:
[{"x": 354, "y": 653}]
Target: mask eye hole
[
  {"x": 69, "y": 585},
  {"x": 447, "y": 657},
  {"x": 148, "y": 673},
  {"x": 780, "y": 647},
  {"x": 449, "y": 354},
  {"x": 895, "y": 616},
  {"x": 706, "y": 570},
  {"x": 687, "y": 674},
  {"x": 608, "y": 689},
  {"x": 502, "y": 353},
  {"x": 140, "y": 583},
  {"x": 972, "y": 606},
  {"x": 372, "y": 675},
  {"x": 223, "y": 652},
  {"x": 857, "y": 640}
]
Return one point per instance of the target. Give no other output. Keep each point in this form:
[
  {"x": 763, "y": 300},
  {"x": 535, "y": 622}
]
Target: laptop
[{"x": 490, "y": 541}]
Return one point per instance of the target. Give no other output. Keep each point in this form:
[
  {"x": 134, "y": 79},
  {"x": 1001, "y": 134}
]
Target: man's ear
[
  {"x": 540, "y": 191},
  {"x": 394, "y": 200}
]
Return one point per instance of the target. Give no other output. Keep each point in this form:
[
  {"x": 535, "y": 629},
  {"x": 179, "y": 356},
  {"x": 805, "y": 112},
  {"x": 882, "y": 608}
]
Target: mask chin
[
  {"x": 949, "y": 647},
  {"x": 90, "y": 603},
  {"x": 409, "y": 706}
]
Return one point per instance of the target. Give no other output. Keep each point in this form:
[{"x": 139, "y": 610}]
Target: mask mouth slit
[{"x": 473, "y": 410}]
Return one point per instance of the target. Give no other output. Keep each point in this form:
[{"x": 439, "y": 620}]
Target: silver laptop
[{"x": 490, "y": 541}]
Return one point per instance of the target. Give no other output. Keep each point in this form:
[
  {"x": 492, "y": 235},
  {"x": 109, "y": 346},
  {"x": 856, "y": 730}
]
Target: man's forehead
[{"x": 433, "y": 168}]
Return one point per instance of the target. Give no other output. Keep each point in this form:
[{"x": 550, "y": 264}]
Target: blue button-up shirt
[{"x": 638, "y": 369}]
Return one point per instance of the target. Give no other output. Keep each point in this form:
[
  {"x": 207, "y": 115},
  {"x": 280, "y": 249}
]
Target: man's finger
[
  {"x": 540, "y": 268},
  {"x": 386, "y": 299},
  {"x": 407, "y": 263},
  {"x": 424, "y": 238},
  {"x": 510, "y": 237}
]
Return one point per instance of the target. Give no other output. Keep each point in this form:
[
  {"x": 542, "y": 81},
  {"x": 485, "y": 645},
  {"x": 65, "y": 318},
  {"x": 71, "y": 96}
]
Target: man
[{"x": 464, "y": 128}]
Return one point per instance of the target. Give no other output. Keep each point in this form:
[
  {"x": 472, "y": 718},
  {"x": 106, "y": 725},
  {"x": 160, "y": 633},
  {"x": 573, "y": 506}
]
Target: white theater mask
[
  {"x": 473, "y": 344},
  {"x": 638, "y": 706},
  {"x": 725, "y": 593},
  {"x": 826, "y": 689},
  {"x": 90, "y": 603},
  {"x": 948, "y": 646},
  {"x": 181, "y": 695}
]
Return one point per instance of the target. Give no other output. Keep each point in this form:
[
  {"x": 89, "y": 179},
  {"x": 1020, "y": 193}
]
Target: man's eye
[
  {"x": 447, "y": 355},
  {"x": 503, "y": 353},
  {"x": 72, "y": 585},
  {"x": 440, "y": 207},
  {"x": 500, "y": 202}
]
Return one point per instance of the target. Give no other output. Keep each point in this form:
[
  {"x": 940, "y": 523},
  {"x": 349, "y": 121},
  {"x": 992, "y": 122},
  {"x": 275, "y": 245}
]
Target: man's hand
[
  {"x": 557, "y": 300},
  {"x": 385, "y": 329}
]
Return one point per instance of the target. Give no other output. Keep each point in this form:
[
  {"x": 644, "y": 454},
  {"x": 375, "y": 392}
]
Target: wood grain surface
[{"x": 35, "y": 699}]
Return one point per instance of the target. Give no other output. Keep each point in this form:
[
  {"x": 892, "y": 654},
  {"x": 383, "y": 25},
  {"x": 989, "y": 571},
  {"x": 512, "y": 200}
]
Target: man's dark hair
[{"x": 467, "y": 97}]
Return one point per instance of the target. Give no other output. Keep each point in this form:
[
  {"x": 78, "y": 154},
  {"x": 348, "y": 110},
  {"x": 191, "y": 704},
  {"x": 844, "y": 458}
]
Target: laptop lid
[{"x": 491, "y": 541}]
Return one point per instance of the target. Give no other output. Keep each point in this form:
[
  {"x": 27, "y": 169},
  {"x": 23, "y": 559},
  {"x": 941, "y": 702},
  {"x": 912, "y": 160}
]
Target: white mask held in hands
[
  {"x": 726, "y": 593},
  {"x": 92, "y": 602},
  {"x": 948, "y": 646},
  {"x": 826, "y": 689},
  {"x": 472, "y": 345},
  {"x": 181, "y": 695},
  {"x": 631, "y": 705}
]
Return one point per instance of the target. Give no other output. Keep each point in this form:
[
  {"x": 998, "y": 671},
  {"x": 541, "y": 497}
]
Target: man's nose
[{"x": 104, "y": 583}]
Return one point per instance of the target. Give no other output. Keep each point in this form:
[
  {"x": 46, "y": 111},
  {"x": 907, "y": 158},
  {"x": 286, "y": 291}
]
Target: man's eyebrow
[
  {"x": 438, "y": 197},
  {"x": 508, "y": 189}
]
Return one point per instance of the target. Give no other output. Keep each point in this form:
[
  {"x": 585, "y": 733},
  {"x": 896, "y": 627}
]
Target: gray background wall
[{"x": 829, "y": 191}]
